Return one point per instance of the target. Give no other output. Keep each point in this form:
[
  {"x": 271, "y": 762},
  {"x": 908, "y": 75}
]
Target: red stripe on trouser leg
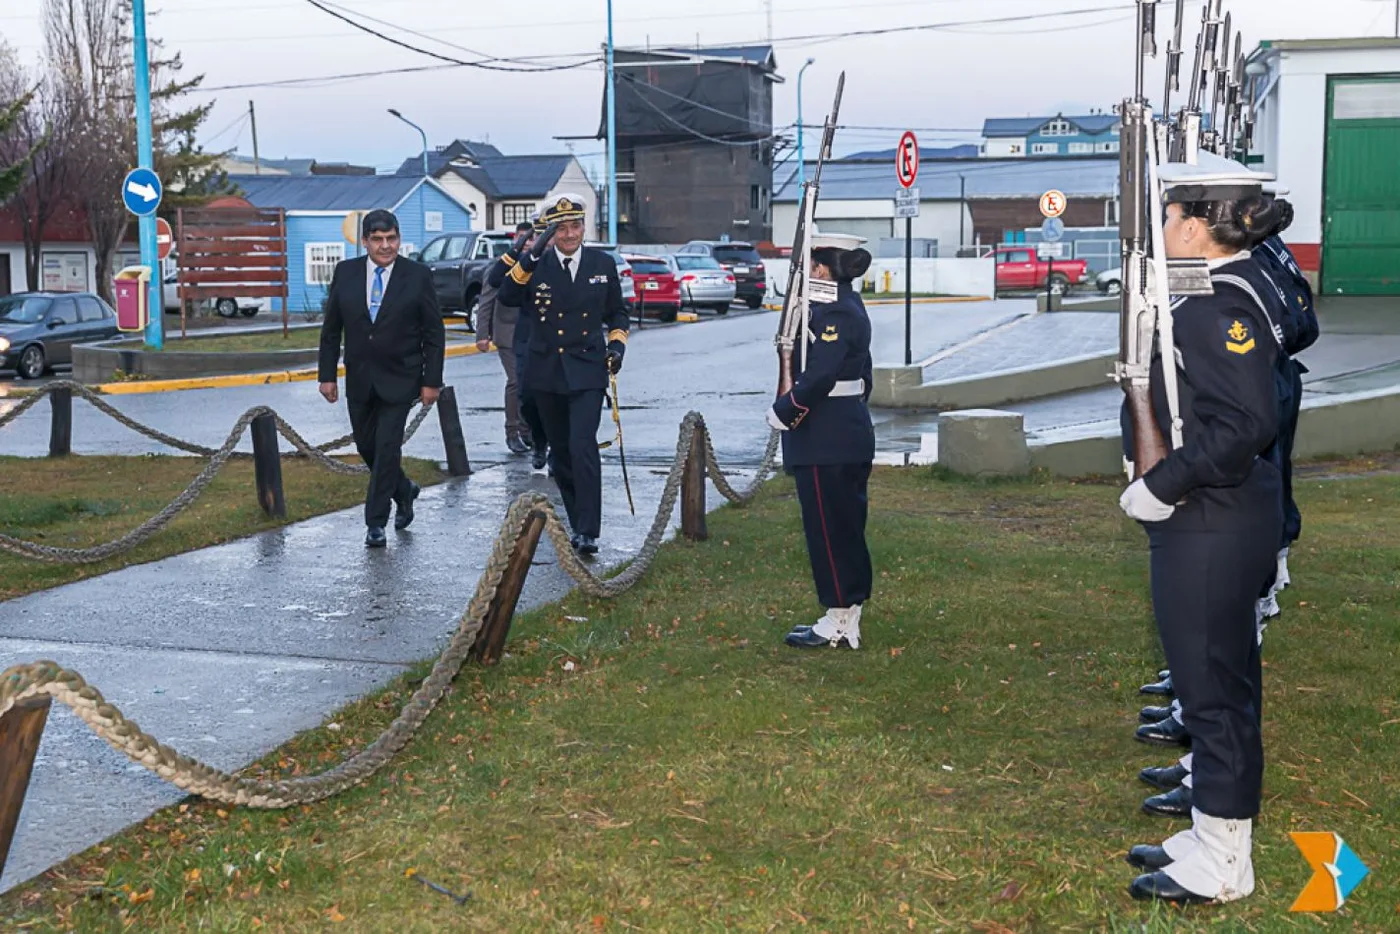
[{"x": 826, "y": 537}]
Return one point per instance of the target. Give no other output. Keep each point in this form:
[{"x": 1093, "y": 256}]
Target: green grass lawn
[
  {"x": 81, "y": 501},
  {"x": 662, "y": 762}
]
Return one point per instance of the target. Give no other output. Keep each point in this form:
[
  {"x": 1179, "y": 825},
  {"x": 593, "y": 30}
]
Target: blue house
[
  {"x": 1088, "y": 135},
  {"x": 317, "y": 208}
]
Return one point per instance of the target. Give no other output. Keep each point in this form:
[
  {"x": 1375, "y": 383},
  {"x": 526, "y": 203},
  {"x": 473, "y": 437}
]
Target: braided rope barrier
[{"x": 47, "y": 678}]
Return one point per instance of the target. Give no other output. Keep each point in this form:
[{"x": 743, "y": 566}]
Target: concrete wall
[
  {"x": 903, "y": 387},
  {"x": 1356, "y": 423},
  {"x": 97, "y": 363},
  {"x": 962, "y": 277}
]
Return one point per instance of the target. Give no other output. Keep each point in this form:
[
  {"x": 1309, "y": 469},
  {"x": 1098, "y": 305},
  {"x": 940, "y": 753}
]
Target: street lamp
[
  {"x": 801, "y": 165},
  {"x": 422, "y": 202}
]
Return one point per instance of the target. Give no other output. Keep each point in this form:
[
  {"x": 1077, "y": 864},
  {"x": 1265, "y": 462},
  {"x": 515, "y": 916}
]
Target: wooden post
[
  {"x": 20, "y": 731},
  {"x": 452, "y": 437},
  {"x": 267, "y": 465},
  {"x": 693, "y": 490},
  {"x": 491, "y": 641},
  {"x": 61, "y": 425}
]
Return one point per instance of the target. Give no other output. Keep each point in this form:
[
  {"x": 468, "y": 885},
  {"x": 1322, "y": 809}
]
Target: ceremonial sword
[{"x": 621, "y": 452}]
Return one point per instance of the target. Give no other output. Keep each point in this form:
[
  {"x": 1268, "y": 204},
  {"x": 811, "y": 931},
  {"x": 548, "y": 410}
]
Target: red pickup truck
[{"x": 1019, "y": 268}]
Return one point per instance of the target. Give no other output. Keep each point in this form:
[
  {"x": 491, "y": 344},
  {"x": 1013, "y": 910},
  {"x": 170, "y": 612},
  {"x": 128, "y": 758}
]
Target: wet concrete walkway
[{"x": 228, "y": 652}]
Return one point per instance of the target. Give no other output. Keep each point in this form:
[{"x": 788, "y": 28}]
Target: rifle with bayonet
[{"x": 792, "y": 325}]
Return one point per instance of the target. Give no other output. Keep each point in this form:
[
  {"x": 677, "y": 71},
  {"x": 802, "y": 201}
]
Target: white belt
[{"x": 848, "y": 387}]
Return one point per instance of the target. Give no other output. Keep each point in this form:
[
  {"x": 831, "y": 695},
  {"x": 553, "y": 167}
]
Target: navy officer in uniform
[
  {"x": 578, "y": 336},
  {"x": 1213, "y": 514},
  {"x": 829, "y": 441}
]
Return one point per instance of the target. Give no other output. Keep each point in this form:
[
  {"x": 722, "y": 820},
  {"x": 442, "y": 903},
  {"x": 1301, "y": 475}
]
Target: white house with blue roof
[
  {"x": 1094, "y": 134},
  {"x": 503, "y": 190},
  {"x": 317, "y": 207}
]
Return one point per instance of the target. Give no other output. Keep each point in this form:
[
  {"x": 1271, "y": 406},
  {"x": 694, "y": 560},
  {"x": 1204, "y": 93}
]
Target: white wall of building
[
  {"x": 937, "y": 220},
  {"x": 1004, "y": 148},
  {"x": 962, "y": 277},
  {"x": 60, "y": 267},
  {"x": 1292, "y": 129},
  {"x": 465, "y": 193}
]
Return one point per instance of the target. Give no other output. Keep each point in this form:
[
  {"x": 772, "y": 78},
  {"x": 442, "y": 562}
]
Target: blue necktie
[{"x": 376, "y": 293}]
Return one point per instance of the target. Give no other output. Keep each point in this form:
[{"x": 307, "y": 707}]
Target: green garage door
[{"x": 1361, "y": 211}]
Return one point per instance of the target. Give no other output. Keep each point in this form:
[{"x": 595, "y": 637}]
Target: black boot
[
  {"x": 1154, "y": 714},
  {"x": 1159, "y": 886},
  {"x": 1174, "y": 803},
  {"x": 1162, "y": 688},
  {"x": 1166, "y": 777},
  {"x": 1167, "y": 733},
  {"x": 1151, "y": 858}
]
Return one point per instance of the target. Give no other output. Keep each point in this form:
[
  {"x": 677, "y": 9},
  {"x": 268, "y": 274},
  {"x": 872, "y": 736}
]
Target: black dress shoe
[
  {"x": 375, "y": 538},
  {"x": 1154, "y": 714},
  {"x": 587, "y": 545},
  {"x": 1164, "y": 673},
  {"x": 403, "y": 515},
  {"x": 1162, "y": 887},
  {"x": 807, "y": 639},
  {"x": 539, "y": 459},
  {"x": 1166, "y": 733},
  {"x": 517, "y": 445},
  {"x": 1162, "y": 688},
  {"x": 1165, "y": 777},
  {"x": 1151, "y": 858},
  {"x": 1174, "y": 803}
]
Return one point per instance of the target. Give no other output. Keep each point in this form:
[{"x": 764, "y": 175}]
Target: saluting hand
[
  {"x": 521, "y": 239},
  {"x": 542, "y": 241}
]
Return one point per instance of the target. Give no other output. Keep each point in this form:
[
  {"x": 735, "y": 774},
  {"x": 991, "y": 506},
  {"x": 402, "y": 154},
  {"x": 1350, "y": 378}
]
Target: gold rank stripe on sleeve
[
  {"x": 519, "y": 276},
  {"x": 508, "y": 259},
  {"x": 617, "y": 334},
  {"x": 1238, "y": 339}
]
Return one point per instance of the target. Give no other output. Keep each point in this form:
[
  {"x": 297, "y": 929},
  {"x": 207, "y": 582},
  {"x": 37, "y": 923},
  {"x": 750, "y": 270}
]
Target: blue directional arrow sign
[{"x": 141, "y": 192}]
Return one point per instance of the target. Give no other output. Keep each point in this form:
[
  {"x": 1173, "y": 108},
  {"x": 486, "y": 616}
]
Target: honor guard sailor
[
  {"x": 578, "y": 336},
  {"x": 829, "y": 441},
  {"x": 1212, "y": 511}
]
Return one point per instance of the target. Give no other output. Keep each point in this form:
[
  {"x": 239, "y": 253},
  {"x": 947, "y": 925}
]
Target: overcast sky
[{"x": 939, "y": 81}]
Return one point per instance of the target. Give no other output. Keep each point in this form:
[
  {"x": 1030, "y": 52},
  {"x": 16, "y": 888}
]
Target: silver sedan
[{"x": 704, "y": 282}]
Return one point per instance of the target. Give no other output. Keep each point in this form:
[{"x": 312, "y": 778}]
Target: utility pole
[
  {"x": 612, "y": 134},
  {"x": 253, "y": 119},
  {"x": 768, "y": 4},
  {"x": 145, "y": 158}
]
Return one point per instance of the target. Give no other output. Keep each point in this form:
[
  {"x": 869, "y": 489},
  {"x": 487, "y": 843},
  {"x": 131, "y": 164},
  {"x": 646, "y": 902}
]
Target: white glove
[
  {"x": 775, "y": 422},
  {"x": 1139, "y": 503}
]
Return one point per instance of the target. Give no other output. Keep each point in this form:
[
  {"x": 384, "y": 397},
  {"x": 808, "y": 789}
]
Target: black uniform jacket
[
  {"x": 824, "y": 429},
  {"x": 573, "y": 324},
  {"x": 397, "y": 354},
  {"x": 1227, "y": 348}
]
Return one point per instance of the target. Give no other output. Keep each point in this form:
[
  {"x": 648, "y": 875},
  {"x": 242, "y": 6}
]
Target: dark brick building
[{"x": 695, "y": 143}]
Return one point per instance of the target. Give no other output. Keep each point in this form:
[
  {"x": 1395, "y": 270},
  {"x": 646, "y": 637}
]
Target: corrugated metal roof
[
  {"x": 998, "y": 127},
  {"x": 986, "y": 178},
  {"x": 754, "y": 54},
  {"x": 328, "y": 192}
]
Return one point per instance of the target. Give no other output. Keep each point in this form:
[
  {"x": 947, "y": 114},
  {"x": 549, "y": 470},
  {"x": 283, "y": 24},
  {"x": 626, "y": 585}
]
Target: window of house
[
  {"x": 1059, "y": 127},
  {"x": 1044, "y": 149},
  {"x": 755, "y": 198},
  {"x": 320, "y": 261},
  {"x": 512, "y": 214},
  {"x": 1108, "y": 147},
  {"x": 1081, "y": 148}
]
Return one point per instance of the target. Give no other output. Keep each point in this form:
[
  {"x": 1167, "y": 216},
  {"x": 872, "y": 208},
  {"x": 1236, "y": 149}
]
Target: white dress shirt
[
  {"x": 370, "y": 267},
  {"x": 573, "y": 261}
]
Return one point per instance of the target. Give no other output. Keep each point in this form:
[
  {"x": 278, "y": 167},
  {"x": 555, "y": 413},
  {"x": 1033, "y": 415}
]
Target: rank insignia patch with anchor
[
  {"x": 830, "y": 333},
  {"x": 1238, "y": 339}
]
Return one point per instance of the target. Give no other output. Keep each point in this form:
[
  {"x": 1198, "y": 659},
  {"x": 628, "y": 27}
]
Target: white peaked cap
[
  {"x": 836, "y": 240},
  {"x": 1212, "y": 178}
]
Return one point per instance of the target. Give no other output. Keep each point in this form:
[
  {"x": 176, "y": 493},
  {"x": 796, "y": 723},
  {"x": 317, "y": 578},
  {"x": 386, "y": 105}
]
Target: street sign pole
[
  {"x": 908, "y": 291},
  {"x": 145, "y": 157},
  {"x": 907, "y": 204}
]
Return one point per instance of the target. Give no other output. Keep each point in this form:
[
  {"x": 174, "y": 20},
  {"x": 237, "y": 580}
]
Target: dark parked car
[
  {"x": 39, "y": 329},
  {"x": 750, "y": 277},
  {"x": 459, "y": 263}
]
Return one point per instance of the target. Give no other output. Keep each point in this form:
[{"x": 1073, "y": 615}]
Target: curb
[
  {"x": 943, "y": 300},
  {"x": 231, "y": 380}
]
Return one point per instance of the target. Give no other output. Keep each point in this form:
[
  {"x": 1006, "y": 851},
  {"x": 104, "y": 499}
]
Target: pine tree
[{"x": 12, "y": 163}]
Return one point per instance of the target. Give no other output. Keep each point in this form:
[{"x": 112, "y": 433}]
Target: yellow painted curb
[
  {"x": 946, "y": 300},
  {"x": 687, "y": 317},
  {"x": 232, "y": 380}
]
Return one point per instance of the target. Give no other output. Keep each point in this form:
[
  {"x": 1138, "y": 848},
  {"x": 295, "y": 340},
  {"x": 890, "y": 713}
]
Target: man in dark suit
[
  {"x": 578, "y": 335},
  {"x": 496, "y": 323},
  {"x": 386, "y": 308}
]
